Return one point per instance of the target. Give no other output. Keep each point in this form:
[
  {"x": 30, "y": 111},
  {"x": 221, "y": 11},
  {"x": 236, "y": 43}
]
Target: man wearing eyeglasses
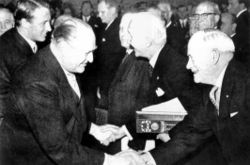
[{"x": 206, "y": 16}]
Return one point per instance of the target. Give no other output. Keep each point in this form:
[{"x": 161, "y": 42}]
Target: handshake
[
  {"x": 108, "y": 133},
  {"x": 129, "y": 157}
]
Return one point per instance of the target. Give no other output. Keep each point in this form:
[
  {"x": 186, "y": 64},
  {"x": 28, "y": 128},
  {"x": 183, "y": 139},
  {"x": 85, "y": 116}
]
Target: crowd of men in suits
[{"x": 53, "y": 75}]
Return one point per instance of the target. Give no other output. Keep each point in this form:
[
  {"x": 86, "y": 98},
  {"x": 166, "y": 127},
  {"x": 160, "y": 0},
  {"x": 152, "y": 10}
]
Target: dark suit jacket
[
  {"x": 109, "y": 56},
  {"x": 170, "y": 75},
  {"x": 129, "y": 93},
  {"x": 176, "y": 37},
  {"x": 97, "y": 26},
  {"x": 14, "y": 53},
  {"x": 242, "y": 42},
  {"x": 45, "y": 120},
  {"x": 232, "y": 132}
]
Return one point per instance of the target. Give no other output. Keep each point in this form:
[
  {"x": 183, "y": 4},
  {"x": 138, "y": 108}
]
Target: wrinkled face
[
  {"x": 105, "y": 12},
  {"x": 86, "y": 9},
  {"x": 125, "y": 37},
  {"x": 227, "y": 26},
  {"x": 39, "y": 25},
  {"x": 77, "y": 52},
  {"x": 6, "y": 21},
  {"x": 200, "y": 63},
  {"x": 206, "y": 18},
  {"x": 233, "y": 6}
]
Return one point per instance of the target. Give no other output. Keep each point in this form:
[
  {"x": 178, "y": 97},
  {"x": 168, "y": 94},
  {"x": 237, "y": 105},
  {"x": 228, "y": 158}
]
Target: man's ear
[
  {"x": 25, "y": 23},
  {"x": 215, "y": 55}
]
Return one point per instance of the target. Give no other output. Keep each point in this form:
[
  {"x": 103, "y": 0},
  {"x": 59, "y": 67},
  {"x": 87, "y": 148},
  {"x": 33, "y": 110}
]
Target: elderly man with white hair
[
  {"x": 170, "y": 78},
  {"x": 225, "y": 112}
]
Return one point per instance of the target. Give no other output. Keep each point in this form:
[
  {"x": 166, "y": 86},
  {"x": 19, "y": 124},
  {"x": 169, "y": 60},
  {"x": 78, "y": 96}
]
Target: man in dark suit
[
  {"x": 87, "y": 80},
  {"x": 45, "y": 119},
  {"x": 18, "y": 44},
  {"x": 88, "y": 15},
  {"x": 170, "y": 78},
  {"x": 110, "y": 52},
  {"x": 129, "y": 90},
  {"x": 225, "y": 109},
  {"x": 173, "y": 26},
  {"x": 239, "y": 8},
  {"x": 228, "y": 26}
]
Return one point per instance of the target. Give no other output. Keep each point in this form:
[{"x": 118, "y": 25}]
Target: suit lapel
[
  {"x": 226, "y": 92},
  {"x": 64, "y": 86}
]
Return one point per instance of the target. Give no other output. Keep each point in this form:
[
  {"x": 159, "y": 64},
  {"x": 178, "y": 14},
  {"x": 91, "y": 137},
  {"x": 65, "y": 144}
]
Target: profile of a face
[
  {"x": 124, "y": 35},
  {"x": 200, "y": 61}
]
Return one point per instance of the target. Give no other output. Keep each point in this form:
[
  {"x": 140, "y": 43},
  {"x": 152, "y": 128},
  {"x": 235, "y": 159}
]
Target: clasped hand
[{"x": 106, "y": 134}]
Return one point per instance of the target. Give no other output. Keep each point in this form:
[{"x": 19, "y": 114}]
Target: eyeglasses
[{"x": 202, "y": 15}]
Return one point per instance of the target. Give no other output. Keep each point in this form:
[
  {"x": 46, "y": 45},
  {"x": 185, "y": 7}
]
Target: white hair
[
  {"x": 151, "y": 26},
  {"x": 212, "y": 40}
]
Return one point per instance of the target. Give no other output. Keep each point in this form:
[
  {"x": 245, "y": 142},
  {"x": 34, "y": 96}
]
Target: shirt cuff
[
  {"x": 124, "y": 128},
  {"x": 148, "y": 158}
]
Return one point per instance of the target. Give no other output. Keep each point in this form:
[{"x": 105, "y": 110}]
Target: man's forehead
[
  {"x": 5, "y": 15},
  {"x": 204, "y": 9}
]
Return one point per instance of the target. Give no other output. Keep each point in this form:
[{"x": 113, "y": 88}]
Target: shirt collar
[
  {"x": 109, "y": 24},
  {"x": 219, "y": 81},
  {"x": 153, "y": 60},
  {"x": 31, "y": 43},
  {"x": 241, "y": 12},
  {"x": 232, "y": 35},
  {"x": 86, "y": 18},
  {"x": 168, "y": 24}
]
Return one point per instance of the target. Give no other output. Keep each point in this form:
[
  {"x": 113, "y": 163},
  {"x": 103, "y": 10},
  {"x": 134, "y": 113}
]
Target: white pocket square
[
  {"x": 159, "y": 92},
  {"x": 233, "y": 114}
]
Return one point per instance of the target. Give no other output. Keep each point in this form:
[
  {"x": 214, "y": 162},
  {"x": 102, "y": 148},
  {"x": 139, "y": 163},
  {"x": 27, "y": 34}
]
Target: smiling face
[
  {"x": 39, "y": 25},
  {"x": 77, "y": 52},
  {"x": 200, "y": 62}
]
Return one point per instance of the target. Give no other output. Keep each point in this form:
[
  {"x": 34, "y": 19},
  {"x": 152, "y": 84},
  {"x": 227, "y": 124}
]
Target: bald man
[
  {"x": 48, "y": 119},
  {"x": 6, "y": 20}
]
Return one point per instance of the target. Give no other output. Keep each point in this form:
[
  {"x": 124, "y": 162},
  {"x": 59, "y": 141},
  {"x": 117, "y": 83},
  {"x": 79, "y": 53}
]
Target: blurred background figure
[
  {"x": 6, "y": 20},
  {"x": 206, "y": 16},
  {"x": 173, "y": 27},
  {"x": 88, "y": 15},
  {"x": 67, "y": 9},
  {"x": 110, "y": 52},
  {"x": 228, "y": 26},
  {"x": 239, "y": 8}
]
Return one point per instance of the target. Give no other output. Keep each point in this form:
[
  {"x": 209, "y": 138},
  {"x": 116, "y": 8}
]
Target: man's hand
[
  {"x": 163, "y": 137},
  {"x": 133, "y": 156},
  {"x": 105, "y": 133}
]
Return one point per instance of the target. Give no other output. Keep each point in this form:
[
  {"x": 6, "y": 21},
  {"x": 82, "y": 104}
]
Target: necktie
[{"x": 214, "y": 96}]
